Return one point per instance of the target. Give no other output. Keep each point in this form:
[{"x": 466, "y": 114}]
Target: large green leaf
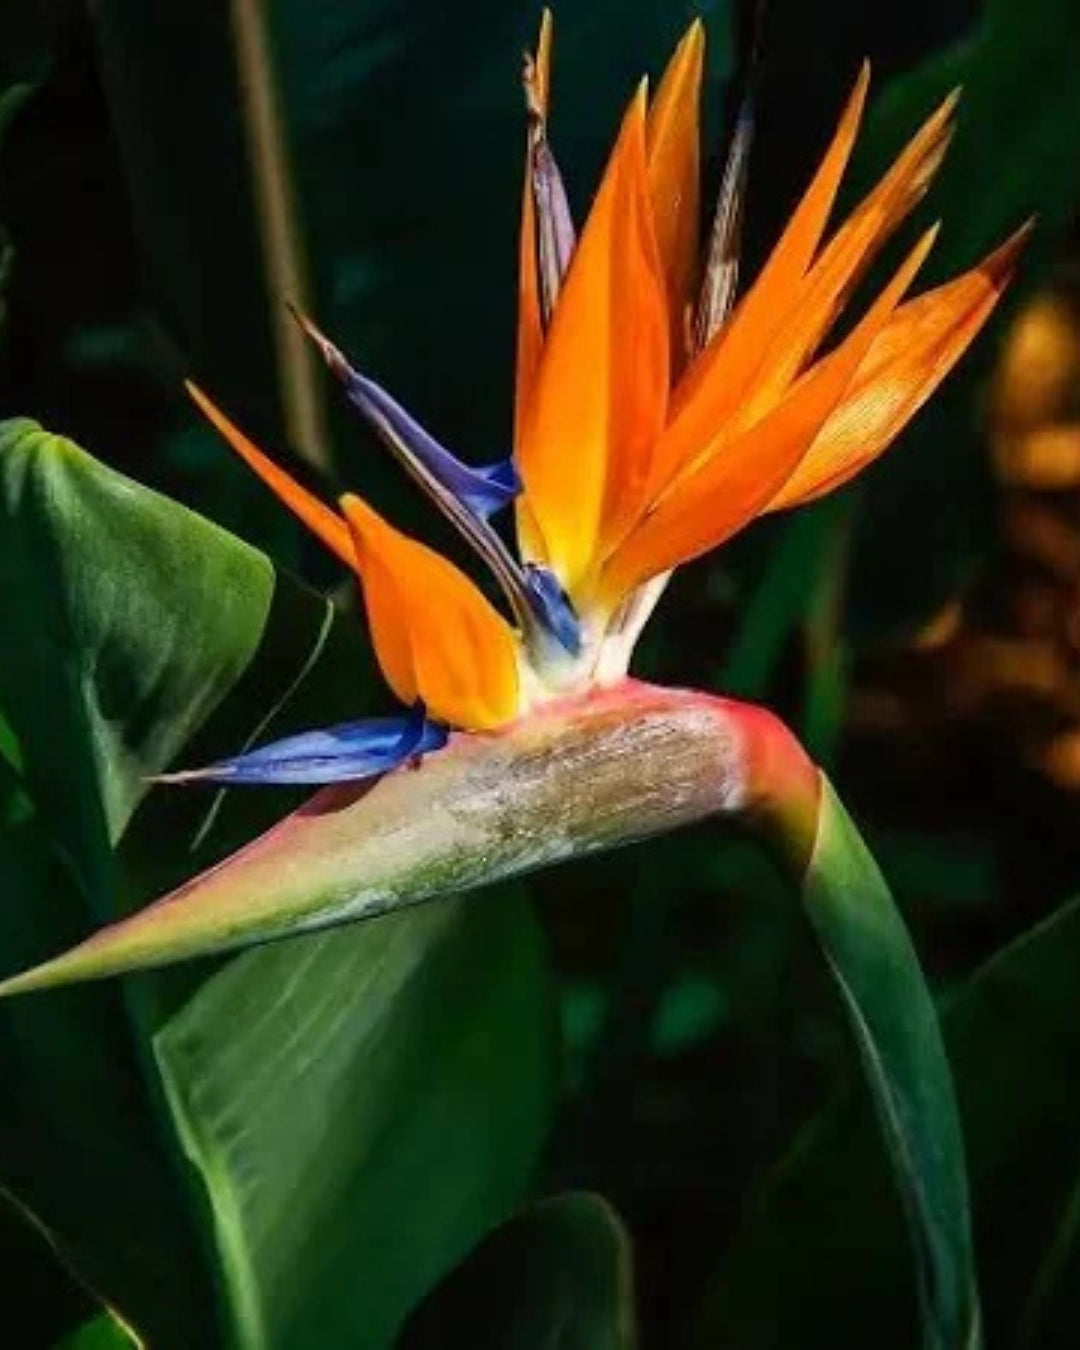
[
  {"x": 373, "y": 1106},
  {"x": 82, "y": 689},
  {"x": 136, "y": 627},
  {"x": 822, "y": 1249},
  {"x": 101, "y": 1333},
  {"x": 105, "y": 676},
  {"x": 557, "y": 1275}
]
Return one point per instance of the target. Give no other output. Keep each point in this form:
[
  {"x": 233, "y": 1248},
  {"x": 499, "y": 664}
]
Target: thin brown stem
[{"x": 281, "y": 236}]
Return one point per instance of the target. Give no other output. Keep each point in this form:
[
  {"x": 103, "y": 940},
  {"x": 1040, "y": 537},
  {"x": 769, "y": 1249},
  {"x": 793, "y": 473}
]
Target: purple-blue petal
[
  {"x": 552, "y": 608},
  {"x": 483, "y": 490},
  {"x": 467, "y": 496},
  {"x": 340, "y": 754}
]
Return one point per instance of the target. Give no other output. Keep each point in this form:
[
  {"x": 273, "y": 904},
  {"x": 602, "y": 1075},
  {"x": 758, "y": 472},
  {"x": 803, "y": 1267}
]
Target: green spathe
[{"x": 581, "y": 775}]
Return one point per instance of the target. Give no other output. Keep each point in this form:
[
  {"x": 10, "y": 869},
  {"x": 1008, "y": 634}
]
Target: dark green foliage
[
  {"x": 142, "y": 625},
  {"x": 558, "y": 1274}
]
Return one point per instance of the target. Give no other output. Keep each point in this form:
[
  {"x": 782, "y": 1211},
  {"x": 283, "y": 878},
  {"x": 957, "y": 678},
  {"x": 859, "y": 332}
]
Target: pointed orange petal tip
[
  {"x": 673, "y": 163},
  {"x": 364, "y": 522},
  {"x": 690, "y": 49},
  {"x": 926, "y": 242},
  {"x": 547, "y": 31},
  {"x": 851, "y": 117},
  {"x": 951, "y": 101},
  {"x": 1000, "y": 265},
  {"x": 324, "y": 523},
  {"x": 435, "y": 634},
  {"x": 600, "y": 390},
  {"x": 639, "y": 101},
  {"x": 536, "y": 68}
]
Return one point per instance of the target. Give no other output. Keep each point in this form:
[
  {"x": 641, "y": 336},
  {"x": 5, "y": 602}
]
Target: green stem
[{"x": 896, "y": 1029}]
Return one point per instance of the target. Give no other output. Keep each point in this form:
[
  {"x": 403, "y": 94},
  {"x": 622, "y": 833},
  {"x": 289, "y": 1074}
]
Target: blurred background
[{"x": 921, "y": 631}]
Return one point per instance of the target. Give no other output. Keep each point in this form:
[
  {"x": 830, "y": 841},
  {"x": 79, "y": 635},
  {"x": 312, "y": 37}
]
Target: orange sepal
[
  {"x": 909, "y": 359},
  {"x": 320, "y": 519},
  {"x": 736, "y": 350},
  {"x": 672, "y": 154},
  {"x": 845, "y": 258},
  {"x": 745, "y": 470},
  {"x": 600, "y": 395},
  {"x": 436, "y": 637}
]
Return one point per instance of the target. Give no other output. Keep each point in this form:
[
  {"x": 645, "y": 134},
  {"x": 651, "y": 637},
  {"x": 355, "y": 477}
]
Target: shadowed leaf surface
[
  {"x": 777, "y": 1288},
  {"x": 378, "y": 1099},
  {"x": 1012, "y": 1039},
  {"x": 555, "y": 1277},
  {"x": 103, "y": 1333}
]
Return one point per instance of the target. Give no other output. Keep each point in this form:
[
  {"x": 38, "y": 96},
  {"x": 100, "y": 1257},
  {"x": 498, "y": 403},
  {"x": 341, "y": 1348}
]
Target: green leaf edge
[{"x": 873, "y": 961}]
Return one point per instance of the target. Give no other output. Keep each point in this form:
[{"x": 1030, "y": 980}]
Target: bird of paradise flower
[{"x": 657, "y": 413}]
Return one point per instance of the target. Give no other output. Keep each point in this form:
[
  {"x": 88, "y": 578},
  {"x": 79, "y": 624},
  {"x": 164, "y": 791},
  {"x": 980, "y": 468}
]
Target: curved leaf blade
[
  {"x": 135, "y": 628},
  {"x": 896, "y": 1029},
  {"x": 769, "y": 1289},
  {"x": 559, "y": 1273},
  {"x": 1012, "y": 1035},
  {"x": 101, "y": 1333},
  {"x": 360, "y": 1132}
]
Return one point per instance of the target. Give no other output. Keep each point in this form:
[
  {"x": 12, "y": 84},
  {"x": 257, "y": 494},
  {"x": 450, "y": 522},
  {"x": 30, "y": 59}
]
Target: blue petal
[
  {"x": 467, "y": 496},
  {"x": 503, "y": 475},
  {"x": 483, "y": 491},
  {"x": 341, "y": 754},
  {"x": 552, "y": 608}
]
